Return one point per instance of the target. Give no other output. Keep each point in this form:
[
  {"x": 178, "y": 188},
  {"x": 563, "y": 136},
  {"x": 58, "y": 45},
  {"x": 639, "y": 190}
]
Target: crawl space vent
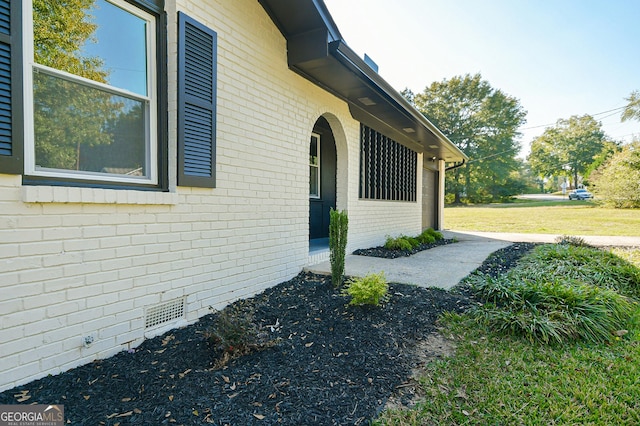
[{"x": 164, "y": 313}]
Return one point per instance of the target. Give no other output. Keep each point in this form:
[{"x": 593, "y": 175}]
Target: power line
[{"x": 593, "y": 115}]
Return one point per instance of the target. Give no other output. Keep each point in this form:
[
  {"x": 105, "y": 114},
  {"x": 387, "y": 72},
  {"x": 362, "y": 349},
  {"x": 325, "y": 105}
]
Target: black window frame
[{"x": 14, "y": 164}]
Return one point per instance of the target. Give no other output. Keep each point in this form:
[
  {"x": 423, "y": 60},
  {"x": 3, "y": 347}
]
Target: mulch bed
[
  {"x": 380, "y": 251},
  {"x": 332, "y": 364}
]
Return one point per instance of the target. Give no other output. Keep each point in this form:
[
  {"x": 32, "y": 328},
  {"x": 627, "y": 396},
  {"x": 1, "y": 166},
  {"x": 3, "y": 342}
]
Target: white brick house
[{"x": 182, "y": 159}]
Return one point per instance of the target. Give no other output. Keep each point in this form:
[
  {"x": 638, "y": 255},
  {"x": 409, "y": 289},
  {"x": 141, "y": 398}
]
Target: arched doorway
[{"x": 322, "y": 179}]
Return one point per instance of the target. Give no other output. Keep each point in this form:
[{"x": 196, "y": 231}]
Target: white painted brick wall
[{"x": 81, "y": 262}]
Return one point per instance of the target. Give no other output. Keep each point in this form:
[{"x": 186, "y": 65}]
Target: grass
[
  {"x": 545, "y": 217},
  {"x": 497, "y": 380},
  {"x": 501, "y": 378},
  {"x": 560, "y": 293},
  {"x": 507, "y": 374}
]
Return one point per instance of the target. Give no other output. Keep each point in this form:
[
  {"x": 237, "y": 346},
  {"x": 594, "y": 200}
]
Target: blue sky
[
  {"x": 121, "y": 47},
  {"x": 558, "y": 57}
]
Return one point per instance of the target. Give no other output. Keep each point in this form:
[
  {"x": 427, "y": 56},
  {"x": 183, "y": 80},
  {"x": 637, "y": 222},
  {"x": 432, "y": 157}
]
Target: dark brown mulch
[
  {"x": 332, "y": 364},
  {"x": 380, "y": 251}
]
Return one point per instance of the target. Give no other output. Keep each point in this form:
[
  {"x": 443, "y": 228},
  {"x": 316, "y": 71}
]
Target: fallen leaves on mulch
[{"x": 333, "y": 364}]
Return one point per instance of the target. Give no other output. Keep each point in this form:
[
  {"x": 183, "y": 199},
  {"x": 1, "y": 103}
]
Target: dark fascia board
[
  {"x": 369, "y": 77},
  {"x": 295, "y": 17}
]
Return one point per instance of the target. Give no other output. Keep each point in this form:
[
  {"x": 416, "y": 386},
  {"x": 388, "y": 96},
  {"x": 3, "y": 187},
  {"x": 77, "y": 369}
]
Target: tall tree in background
[
  {"x": 617, "y": 182},
  {"x": 570, "y": 147},
  {"x": 69, "y": 118},
  {"x": 632, "y": 109},
  {"x": 482, "y": 122}
]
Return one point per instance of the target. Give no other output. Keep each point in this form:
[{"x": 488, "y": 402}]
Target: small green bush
[
  {"x": 403, "y": 242},
  {"x": 412, "y": 241},
  {"x": 398, "y": 243},
  {"x": 426, "y": 238},
  {"x": 435, "y": 234},
  {"x": 370, "y": 290}
]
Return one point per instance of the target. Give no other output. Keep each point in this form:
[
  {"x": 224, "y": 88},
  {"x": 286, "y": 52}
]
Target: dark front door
[{"x": 322, "y": 179}]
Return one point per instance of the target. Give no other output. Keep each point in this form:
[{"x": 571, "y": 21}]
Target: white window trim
[
  {"x": 150, "y": 100},
  {"x": 316, "y": 196}
]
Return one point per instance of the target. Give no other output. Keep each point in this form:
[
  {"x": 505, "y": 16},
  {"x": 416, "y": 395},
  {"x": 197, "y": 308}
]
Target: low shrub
[
  {"x": 552, "y": 311},
  {"x": 398, "y": 243},
  {"x": 560, "y": 293},
  {"x": 412, "y": 241},
  {"x": 435, "y": 234},
  {"x": 369, "y": 290},
  {"x": 403, "y": 242},
  {"x": 234, "y": 334},
  {"x": 426, "y": 238},
  {"x": 586, "y": 264}
]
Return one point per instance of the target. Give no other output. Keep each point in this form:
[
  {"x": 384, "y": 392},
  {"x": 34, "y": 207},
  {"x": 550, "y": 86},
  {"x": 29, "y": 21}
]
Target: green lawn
[
  {"x": 545, "y": 217},
  {"x": 501, "y": 379}
]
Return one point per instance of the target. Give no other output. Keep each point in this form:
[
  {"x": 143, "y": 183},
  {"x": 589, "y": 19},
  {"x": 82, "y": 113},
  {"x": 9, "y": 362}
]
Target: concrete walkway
[
  {"x": 550, "y": 238},
  {"x": 445, "y": 266}
]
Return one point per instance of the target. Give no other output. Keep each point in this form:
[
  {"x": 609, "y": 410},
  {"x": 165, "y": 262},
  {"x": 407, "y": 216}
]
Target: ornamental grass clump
[
  {"x": 369, "y": 290},
  {"x": 572, "y": 241},
  {"x": 398, "y": 243},
  {"x": 553, "y": 311},
  {"x": 549, "y": 298},
  {"x": 586, "y": 264}
]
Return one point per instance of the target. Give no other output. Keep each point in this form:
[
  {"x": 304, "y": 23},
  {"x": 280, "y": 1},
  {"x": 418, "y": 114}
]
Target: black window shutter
[
  {"x": 11, "y": 119},
  {"x": 197, "y": 47}
]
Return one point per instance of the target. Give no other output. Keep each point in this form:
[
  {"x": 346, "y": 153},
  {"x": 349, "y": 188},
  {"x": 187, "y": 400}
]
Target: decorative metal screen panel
[
  {"x": 388, "y": 170},
  {"x": 164, "y": 313}
]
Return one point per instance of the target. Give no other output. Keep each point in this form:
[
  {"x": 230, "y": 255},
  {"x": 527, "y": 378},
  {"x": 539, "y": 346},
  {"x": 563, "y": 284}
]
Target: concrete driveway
[
  {"x": 544, "y": 197},
  {"x": 445, "y": 266}
]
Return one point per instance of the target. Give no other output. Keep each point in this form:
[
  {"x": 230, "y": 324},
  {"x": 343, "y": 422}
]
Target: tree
[
  {"x": 482, "y": 122},
  {"x": 618, "y": 181},
  {"x": 632, "y": 109},
  {"x": 69, "y": 117},
  {"x": 570, "y": 147}
]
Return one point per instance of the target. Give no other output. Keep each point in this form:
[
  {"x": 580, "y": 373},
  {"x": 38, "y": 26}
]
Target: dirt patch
[{"x": 433, "y": 347}]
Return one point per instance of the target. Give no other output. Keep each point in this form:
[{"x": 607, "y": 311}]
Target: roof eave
[{"x": 316, "y": 50}]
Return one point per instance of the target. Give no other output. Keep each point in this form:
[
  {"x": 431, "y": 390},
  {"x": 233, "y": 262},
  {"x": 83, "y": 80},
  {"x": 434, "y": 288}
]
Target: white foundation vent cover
[{"x": 164, "y": 313}]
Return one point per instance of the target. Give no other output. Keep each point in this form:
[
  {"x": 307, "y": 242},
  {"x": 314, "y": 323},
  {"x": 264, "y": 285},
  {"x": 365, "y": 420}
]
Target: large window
[
  {"x": 91, "y": 91},
  {"x": 388, "y": 170}
]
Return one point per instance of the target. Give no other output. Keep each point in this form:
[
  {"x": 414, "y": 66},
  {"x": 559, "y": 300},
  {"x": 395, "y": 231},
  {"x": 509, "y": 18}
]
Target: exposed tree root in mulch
[
  {"x": 380, "y": 251},
  {"x": 332, "y": 364}
]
